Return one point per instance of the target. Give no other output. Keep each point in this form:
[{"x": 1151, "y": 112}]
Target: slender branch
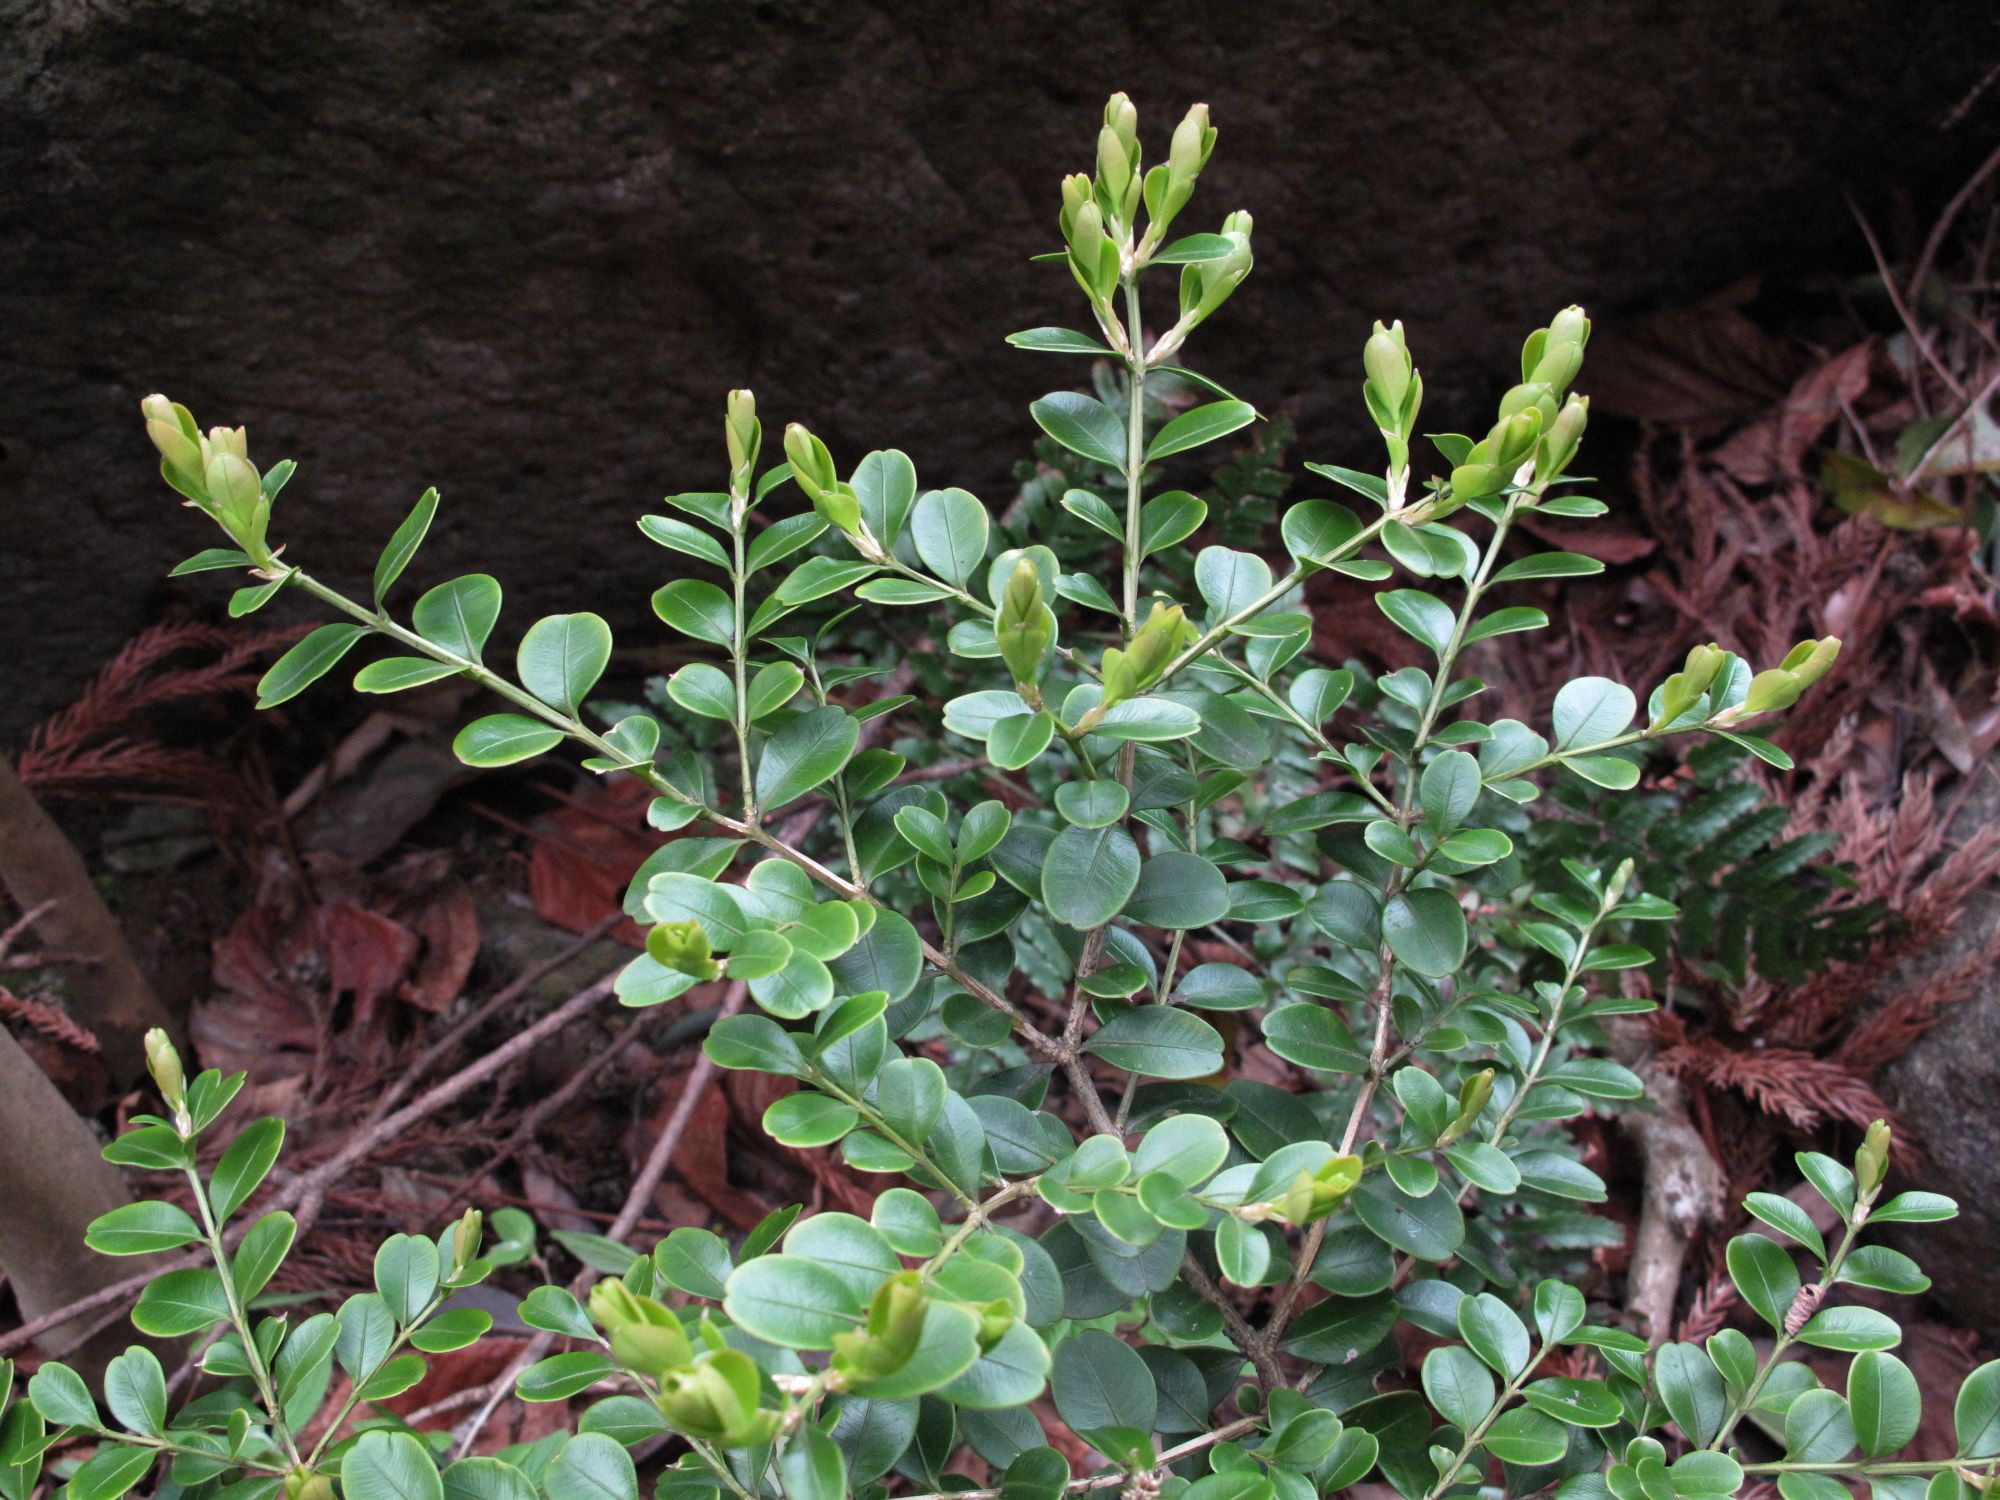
[
  {"x": 1221, "y": 1434},
  {"x": 1478, "y": 1433},
  {"x": 239, "y": 1316},
  {"x": 1787, "y": 1336}
]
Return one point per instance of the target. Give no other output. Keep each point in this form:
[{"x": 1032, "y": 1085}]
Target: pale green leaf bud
[
  {"x": 1871, "y": 1162},
  {"x": 812, "y": 467},
  {"x": 1387, "y": 360},
  {"x": 1512, "y": 439},
  {"x": 1121, "y": 682},
  {"x": 995, "y": 1318},
  {"x": 164, "y": 1063},
  {"x": 682, "y": 947},
  {"x": 1156, "y": 644},
  {"x": 1563, "y": 437},
  {"x": 233, "y": 489},
  {"x": 1684, "y": 689},
  {"x": 745, "y": 435},
  {"x": 1530, "y": 393},
  {"x": 172, "y": 430},
  {"x": 651, "y": 1348},
  {"x": 1122, "y": 116},
  {"x": 1780, "y": 687},
  {"x": 894, "y": 1328},
  {"x": 1809, "y": 660},
  {"x": 465, "y": 1237},
  {"x": 1076, "y": 191},
  {"x": 1473, "y": 1095},
  {"x": 1117, "y": 176},
  {"x": 1193, "y": 139},
  {"x": 1024, "y": 627},
  {"x": 613, "y": 1305},
  {"x": 1474, "y": 481}
]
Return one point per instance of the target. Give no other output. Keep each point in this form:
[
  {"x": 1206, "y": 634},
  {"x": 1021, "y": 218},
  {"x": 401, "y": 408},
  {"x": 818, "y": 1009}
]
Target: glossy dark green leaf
[
  {"x": 1202, "y": 425},
  {"x": 805, "y": 754},
  {"x": 389, "y": 1466},
  {"x": 458, "y": 616},
  {"x": 1158, "y": 1041},
  {"x": 403, "y": 546},
  {"x": 562, "y": 656},
  {"x": 504, "y": 740},
  {"x": 1083, "y": 425},
  {"x": 1089, "y": 875},
  {"x": 308, "y": 661}
]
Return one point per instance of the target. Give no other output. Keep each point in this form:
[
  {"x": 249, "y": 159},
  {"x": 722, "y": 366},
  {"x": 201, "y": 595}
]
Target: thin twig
[
  {"x": 450, "y": 1042},
  {"x": 655, "y": 1166},
  {"x": 1946, "y": 219},
  {"x": 307, "y": 1191},
  {"x": 1903, "y": 308}
]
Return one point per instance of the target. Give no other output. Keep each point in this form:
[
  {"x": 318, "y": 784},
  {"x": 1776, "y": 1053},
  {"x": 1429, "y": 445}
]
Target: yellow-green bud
[
  {"x": 1473, "y": 1095},
  {"x": 1158, "y": 641},
  {"x": 1076, "y": 191},
  {"x": 716, "y": 1399},
  {"x": 1473, "y": 481},
  {"x": 645, "y": 1334},
  {"x": 995, "y": 1318},
  {"x": 231, "y": 440},
  {"x": 1684, "y": 689},
  {"x": 1564, "y": 436},
  {"x": 1024, "y": 627},
  {"x": 1294, "y": 1205},
  {"x": 1122, "y": 116},
  {"x": 1129, "y": 672},
  {"x": 1118, "y": 162},
  {"x": 164, "y": 1063},
  {"x": 812, "y": 467},
  {"x": 231, "y": 478},
  {"x": 1333, "y": 1182},
  {"x": 1620, "y": 882},
  {"x": 651, "y": 1348},
  {"x": 1086, "y": 236},
  {"x": 894, "y": 1328},
  {"x": 1386, "y": 358},
  {"x": 466, "y": 1235},
  {"x": 1871, "y": 1162},
  {"x": 1193, "y": 139},
  {"x": 613, "y": 1305},
  {"x": 1781, "y": 686},
  {"x": 1513, "y": 439},
  {"x": 682, "y": 947},
  {"x": 1530, "y": 393},
  {"x": 172, "y": 430},
  {"x": 303, "y": 1484},
  {"x": 745, "y": 435},
  {"x": 1570, "y": 326},
  {"x": 1808, "y": 661},
  {"x": 812, "y": 464},
  {"x": 1093, "y": 254},
  {"x": 1552, "y": 355}
]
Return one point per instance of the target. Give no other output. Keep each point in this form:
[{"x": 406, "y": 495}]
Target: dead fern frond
[{"x": 47, "y": 1019}]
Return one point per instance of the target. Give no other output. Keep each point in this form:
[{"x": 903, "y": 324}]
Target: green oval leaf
[
  {"x": 307, "y": 662},
  {"x": 1083, "y": 425},
  {"x": 503, "y": 740},
  {"x": 562, "y": 656},
  {"x": 1202, "y": 425}
]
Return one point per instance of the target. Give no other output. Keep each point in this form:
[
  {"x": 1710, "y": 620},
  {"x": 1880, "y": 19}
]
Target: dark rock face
[
  {"x": 1944, "y": 1088},
  {"x": 521, "y": 250}
]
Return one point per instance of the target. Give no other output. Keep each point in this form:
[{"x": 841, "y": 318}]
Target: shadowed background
[{"x": 521, "y": 251}]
